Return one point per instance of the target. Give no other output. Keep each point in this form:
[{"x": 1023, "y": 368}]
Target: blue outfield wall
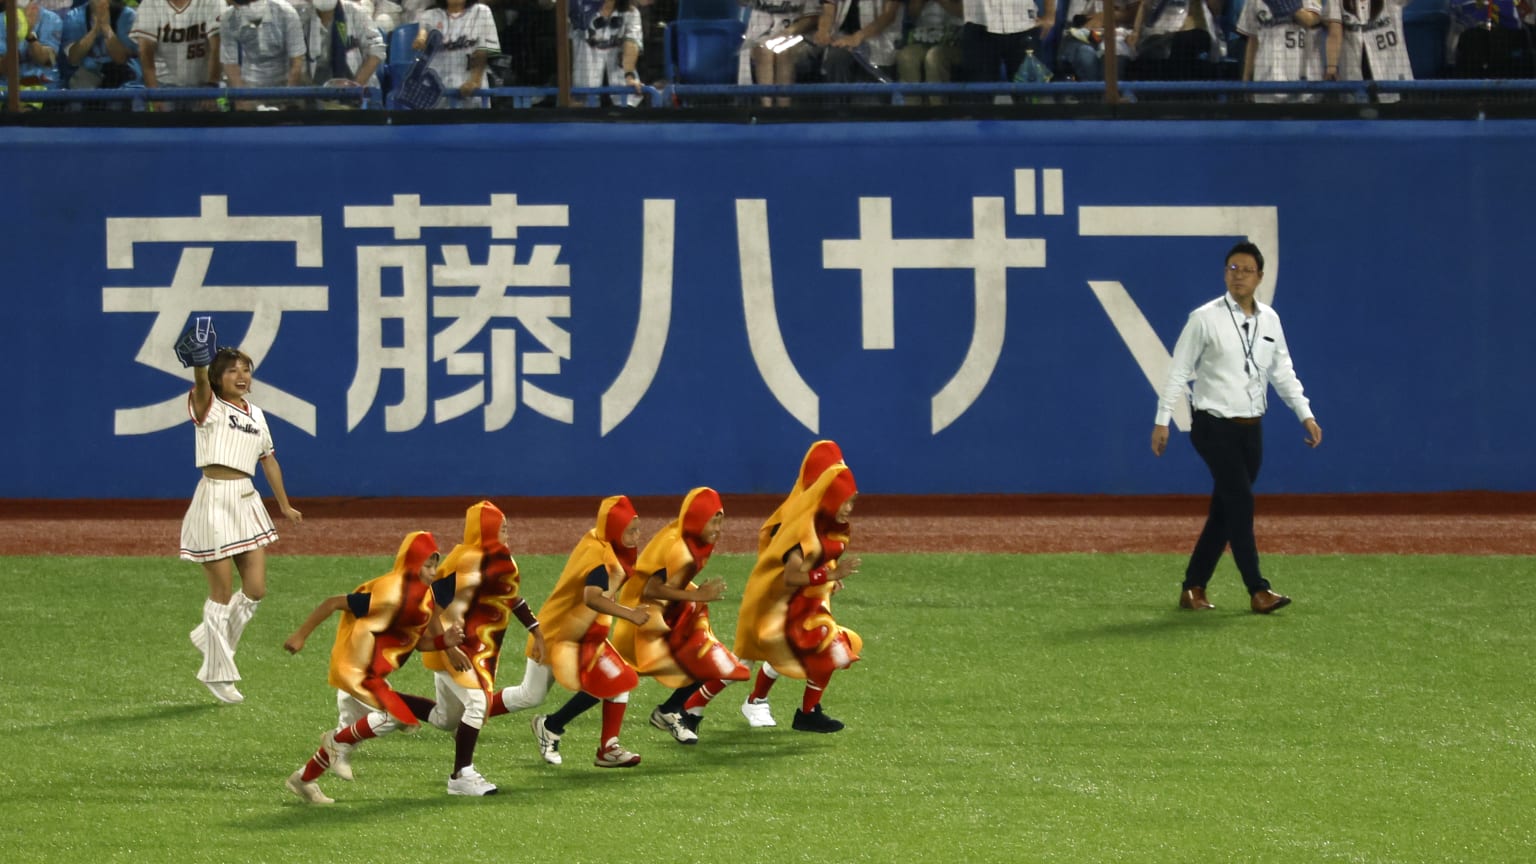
[{"x": 584, "y": 309}]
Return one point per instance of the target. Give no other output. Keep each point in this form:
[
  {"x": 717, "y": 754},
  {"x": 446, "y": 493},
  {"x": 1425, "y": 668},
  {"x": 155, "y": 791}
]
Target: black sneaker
[
  {"x": 816, "y": 721},
  {"x": 692, "y": 721}
]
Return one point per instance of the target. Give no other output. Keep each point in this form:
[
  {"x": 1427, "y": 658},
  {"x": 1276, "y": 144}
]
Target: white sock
[{"x": 218, "y": 657}]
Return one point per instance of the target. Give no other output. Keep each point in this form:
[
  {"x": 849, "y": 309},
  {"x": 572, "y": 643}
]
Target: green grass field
[{"x": 1008, "y": 709}]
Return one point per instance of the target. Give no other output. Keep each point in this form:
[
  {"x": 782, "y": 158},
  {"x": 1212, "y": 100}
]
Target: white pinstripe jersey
[
  {"x": 1379, "y": 38},
  {"x": 463, "y": 34},
  {"x": 231, "y": 437},
  {"x": 1286, "y": 50},
  {"x": 181, "y": 38}
]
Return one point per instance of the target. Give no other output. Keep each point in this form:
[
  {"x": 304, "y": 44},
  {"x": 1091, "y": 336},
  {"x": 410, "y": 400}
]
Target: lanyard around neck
[{"x": 1245, "y": 341}]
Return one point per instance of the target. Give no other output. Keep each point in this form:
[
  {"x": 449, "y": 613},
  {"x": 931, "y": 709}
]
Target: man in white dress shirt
[{"x": 1233, "y": 348}]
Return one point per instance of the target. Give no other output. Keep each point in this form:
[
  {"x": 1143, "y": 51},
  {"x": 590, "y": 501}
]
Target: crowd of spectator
[{"x": 109, "y": 44}]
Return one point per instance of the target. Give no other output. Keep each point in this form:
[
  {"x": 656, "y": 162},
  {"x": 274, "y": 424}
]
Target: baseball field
[{"x": 1028, "y": 692}]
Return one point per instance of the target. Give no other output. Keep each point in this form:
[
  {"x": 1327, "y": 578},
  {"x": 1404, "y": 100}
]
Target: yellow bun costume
[
  {"x": 792, "y": 627},
  {"x": 575, "y": 635},
  {"x": 483, "y": 565},
  {"x": 384, "y": 619},
  {"x": 676, "y": 645}
]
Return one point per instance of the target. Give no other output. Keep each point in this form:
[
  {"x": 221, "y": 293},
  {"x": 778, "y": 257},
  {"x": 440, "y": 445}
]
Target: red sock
[
  {"x": 613, "y": 719},
  {"x": 763, "y": 684},
  {"x": 498, "y": 707},
  {"x": 707, "y": 691},
  {"x": 316, "y": 765},
  {"x": 812, "y": 697},
  {"x": 362, "y": 730}
]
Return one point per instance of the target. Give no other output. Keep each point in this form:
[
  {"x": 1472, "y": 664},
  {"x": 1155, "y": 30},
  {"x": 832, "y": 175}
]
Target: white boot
[
  {"x": 241, "y": 610},
  {"x": 218, "y": 671}
]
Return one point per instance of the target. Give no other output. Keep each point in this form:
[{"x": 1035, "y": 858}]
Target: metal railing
[{"x": 681, "y": 96}]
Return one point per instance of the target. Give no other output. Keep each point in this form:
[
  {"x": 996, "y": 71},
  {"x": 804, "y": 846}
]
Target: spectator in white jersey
[
  {"x": 227, "y": 525},
  {"x": 998, "y": 34},
  {"x": 98, "y": 47},
  {"x": 1371, "y": 46},
  {"x": 344, "y": 44},
  {"x": 605, "y": 46},
  {"x": 469, "y": 40},
  {"x": 1283, "y": 44},
  {"x": 261, "y": 45},
  {"x": 179, "y": 45}
]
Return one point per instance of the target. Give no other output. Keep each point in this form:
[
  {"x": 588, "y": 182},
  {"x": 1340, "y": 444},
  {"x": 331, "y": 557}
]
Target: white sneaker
[
  {"x": 310, "y": 791},
  {"x": 549, "y": 742},
  {"x": 225, "y": 692},
  {"x": 672, "y": 722},
  {"x": 613, "y": 755},
  {"x": 469, "y": 782},
  {"x": 439, "y": 718},
  {"x": 339, "y": 754},
  {"x": 757, "y": 713}
]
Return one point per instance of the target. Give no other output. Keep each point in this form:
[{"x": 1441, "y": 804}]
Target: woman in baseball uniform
[
  {"x": 227, "y": 524},
  {"x": 786, "y": 611}
]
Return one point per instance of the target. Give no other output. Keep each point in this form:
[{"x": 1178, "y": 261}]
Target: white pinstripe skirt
[{"x": 226, "y": 518}]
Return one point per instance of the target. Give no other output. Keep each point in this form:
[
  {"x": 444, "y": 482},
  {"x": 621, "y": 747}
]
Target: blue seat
[
  {"x": 704, "y": 51},
  {"x": 399, "y": 55},
  {"x": 708, "y": 10}
]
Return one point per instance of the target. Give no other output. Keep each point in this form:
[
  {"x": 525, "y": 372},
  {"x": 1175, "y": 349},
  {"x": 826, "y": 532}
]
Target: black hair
[{"x": 1246, "y": 248}]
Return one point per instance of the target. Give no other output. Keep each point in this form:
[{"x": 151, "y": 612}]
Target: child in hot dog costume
[
  {"x": 382, "y": 622},
  {"x": 786, "y": 612},
  {"x": 676, "y": 645},
  {"x": 485, "y": 583},
  {"x": 577, "y": 618}
]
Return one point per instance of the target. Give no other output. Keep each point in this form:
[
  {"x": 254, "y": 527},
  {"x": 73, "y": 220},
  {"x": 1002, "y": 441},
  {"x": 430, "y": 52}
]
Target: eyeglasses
[{"x": 1247, "y": 271}]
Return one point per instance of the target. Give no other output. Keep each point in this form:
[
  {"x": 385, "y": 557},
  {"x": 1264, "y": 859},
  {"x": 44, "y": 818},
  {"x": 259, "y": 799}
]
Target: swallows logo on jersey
[
  {"x": 460, "y": 43},
  {"x": 247, "y": 427}
]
